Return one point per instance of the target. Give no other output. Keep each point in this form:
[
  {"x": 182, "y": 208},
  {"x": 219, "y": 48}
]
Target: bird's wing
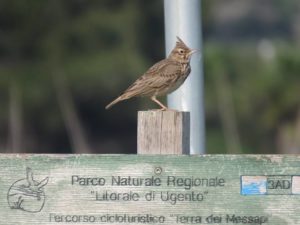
[{"x": 158, "y": 77}]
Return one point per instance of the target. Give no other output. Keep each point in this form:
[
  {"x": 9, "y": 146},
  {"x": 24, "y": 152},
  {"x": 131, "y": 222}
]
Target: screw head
[{"x": 158, "y": 170}]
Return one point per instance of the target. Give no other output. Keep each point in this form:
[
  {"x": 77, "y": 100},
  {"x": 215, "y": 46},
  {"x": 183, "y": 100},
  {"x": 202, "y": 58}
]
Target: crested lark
[{"x": 163, "y": 77}]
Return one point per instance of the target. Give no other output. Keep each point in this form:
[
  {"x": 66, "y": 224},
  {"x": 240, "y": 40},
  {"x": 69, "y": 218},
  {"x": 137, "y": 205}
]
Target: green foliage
[{"x": 265, "y": 92}]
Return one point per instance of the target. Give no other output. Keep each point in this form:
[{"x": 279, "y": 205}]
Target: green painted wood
[{"x": 135, "y": 189}]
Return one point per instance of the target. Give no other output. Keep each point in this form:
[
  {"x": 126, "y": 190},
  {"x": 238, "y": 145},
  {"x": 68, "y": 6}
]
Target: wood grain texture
[
  {"x": 163, "y": 132},
  {"x": 209, "y": 189}
]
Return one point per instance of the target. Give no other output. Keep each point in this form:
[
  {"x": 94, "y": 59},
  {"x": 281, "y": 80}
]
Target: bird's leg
[{"x": 163, "y": 107}]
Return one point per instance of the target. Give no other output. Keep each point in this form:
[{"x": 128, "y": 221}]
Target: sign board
[{"x": 133, "y": 189}]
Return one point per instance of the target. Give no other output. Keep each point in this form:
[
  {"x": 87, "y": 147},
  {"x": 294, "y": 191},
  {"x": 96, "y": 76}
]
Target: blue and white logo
[{"x": 253, "y": 185}]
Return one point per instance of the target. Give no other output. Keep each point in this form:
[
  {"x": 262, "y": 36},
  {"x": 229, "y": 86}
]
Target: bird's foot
[
  {"x": 163, "y": 110},
  {"x": 170, "y": 110},
  {"x": 156, "y": 110}
]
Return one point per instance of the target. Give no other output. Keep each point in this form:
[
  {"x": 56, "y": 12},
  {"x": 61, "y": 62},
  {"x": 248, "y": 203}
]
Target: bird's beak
[{"x": 193, "y": 51}]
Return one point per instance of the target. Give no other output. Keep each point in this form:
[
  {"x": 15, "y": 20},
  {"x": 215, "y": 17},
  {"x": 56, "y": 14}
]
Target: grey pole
[{"x": 182, "y": 19}]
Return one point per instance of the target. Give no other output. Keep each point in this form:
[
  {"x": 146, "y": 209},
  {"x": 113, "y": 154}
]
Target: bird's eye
[{"x": 181, "y": 51}]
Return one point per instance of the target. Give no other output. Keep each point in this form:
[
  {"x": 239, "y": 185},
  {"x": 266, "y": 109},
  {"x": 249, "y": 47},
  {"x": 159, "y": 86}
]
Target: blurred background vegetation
[{"x": 62, "y": 61}]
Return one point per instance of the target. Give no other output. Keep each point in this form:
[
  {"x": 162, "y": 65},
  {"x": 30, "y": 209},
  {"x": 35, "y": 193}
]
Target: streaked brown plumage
[{"x": 163, "y": 77}]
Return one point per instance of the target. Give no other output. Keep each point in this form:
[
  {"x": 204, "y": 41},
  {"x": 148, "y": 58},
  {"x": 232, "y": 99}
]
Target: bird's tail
[{"x": 121, "y": 98}]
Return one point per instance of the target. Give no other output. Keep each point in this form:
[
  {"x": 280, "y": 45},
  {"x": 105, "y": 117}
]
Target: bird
[{"x": 162, "y": 78}]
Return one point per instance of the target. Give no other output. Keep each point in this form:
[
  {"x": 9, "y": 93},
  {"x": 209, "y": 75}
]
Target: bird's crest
[{"x": 181, "y": 44}]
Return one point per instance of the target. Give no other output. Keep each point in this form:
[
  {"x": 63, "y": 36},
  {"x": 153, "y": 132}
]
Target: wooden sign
[{"x": 131, "y": 189}]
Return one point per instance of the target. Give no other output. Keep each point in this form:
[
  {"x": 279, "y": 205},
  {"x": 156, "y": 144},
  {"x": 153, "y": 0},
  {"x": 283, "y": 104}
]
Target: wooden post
[{"x": 163, "y": 132}]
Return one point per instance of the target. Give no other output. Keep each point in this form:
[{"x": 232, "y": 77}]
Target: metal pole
[{"x": 182, "y": 19}]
